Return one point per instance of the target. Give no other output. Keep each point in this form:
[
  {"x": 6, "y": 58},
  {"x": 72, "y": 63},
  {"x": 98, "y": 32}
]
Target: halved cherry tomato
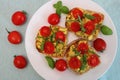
[
  {"x": 49, "y": 47},
  {"x": 93, "y": 60},
  {"x": 53, "y": 19},
  {"x": 60, "y": 36},
  {"x": 45, "y": 31},
  {"x": 18, "y": 18},
  {"x": 82, "y": 47},
  {"x": 97, "y": 18},
  {"x": 61, "y": 65},
  {"x": 74, "y": 63},
  {"x": 14, "y": 37},
  {"x": 75, "y": 26},
  {"x": 99, "y": 44},
  {"x": 89, "y": 27},
  {"x": 77, "y": 12},
  {"x": 20, "y": 61}
]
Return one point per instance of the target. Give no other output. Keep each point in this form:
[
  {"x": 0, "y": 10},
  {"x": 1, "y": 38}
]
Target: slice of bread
[
  {"x": 60, "y": 46},
  {"x": 70, "y": 19},
  {"x": 70, "y": 53}
]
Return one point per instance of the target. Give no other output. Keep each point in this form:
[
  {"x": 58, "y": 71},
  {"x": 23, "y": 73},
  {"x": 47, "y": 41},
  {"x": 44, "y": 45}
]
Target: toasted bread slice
[
  {"x": 88, "y": 16},
  {"x": 59, "y": 46},
  {"x": 72, "y": 51}
]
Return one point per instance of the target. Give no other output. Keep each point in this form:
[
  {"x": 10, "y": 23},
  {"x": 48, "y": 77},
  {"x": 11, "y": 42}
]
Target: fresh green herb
[
  {"x": 50, "y": 61},
  {"x": 60, "y": 8},
  {"x": 82, "y": 25},
  {"x": 42, "y": 45},
  {"x": 90, "y": 51},
  {"x": 77, "y": 53},
  {"x": 64, "y": 9},
  {"x": 84, "y": 62},
  {"x": 52, "y": 36},
  {"x": 106, "y": 30},
  {"x": 89, "y": 16}
]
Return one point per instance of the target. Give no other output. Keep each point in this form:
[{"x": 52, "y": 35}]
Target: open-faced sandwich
[
  {"x": 84, "y": 23},
  {"x": 81, "y": 57},
  {"x": 52, "y": 40}
]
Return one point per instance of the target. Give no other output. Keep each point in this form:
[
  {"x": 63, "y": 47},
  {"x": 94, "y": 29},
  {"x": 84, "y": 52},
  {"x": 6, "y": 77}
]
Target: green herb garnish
[
  {"x": 60, "y": 8},
  {"x": 106, "y": 30},
  {"x": 50, "y": 61},
  {"x": 89, "y": 16}
]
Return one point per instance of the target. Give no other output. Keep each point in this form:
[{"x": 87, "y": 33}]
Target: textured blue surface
[{"x": 7, "y": 51}]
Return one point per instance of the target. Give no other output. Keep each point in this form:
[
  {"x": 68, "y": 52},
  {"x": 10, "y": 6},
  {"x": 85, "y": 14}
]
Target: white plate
[{"x": 38, "y": 61}]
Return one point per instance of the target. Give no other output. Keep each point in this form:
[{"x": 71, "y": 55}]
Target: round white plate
[{"x": 38, "y": 61}]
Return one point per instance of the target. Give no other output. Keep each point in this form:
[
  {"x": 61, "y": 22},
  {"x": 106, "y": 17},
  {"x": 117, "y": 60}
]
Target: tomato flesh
[
  {"x": 93, "y": 60},
  {"x": 61, "y": 65},
  {"x": 18, "y": 18},
  {"x": 45, "y": 31},
  {"x": 89, "y": 27},
  {"x": 14, "y": 37},
  {"x": 74, "y": 63},
  {"x": 60, "y": 36},
  {"x": 97, "y": 18},
  {"x": 82, "y": 48},
  {"x": 53, "y": 19},
  {"x": 49, "y": 47},
  {"x": 77, "y": 12},
  {"x": 99, "y": 44},
  {"x": 75, "y": 26},
  {"x": 20, "y": 62}
]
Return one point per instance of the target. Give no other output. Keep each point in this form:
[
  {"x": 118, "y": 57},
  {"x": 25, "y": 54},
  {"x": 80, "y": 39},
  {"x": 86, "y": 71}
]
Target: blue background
[{"x": 7, "y": 51}]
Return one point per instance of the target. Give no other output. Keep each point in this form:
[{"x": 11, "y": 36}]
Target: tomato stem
[
  {"x": 7, "y": 30},
  {"x": 24, "y": 12},
  {"x": 14, "y": 56}
]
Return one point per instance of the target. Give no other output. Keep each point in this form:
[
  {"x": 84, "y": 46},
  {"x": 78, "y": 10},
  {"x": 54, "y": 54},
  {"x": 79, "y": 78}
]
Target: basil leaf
[
  {"x": 84, "y": 62},
  {"x": 89, "y": 16},
  {"x": 58, "y": 11},
  {"x": 106, "y": 30},
  {"x": 77, "y": 53},
  {"x": 50, "y": 61},
  {"x": 58, "y": 4},
  {"x": 65, "y": 9}
]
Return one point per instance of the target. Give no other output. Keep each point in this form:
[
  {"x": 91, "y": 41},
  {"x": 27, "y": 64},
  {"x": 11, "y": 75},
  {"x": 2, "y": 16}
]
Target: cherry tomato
[
  {"x": 89, "y": 27},
  {"x": 83, "y": 48},
  {"x": 49, "y": 47},
  {"x": 19, "y": 18},
  {"x": 61, "y": 65},
  {"x": 93, "y": 60},
  {"x": 20, "y": 62},
  {"x": 54, "y": 19},
  {"x": 75, "y": 26},
  {"x": 45, "y": 31},
  {"x": 77, "y": 12},
  {"x": 60, "y": 36},
  {"x": 99, "y": 44},
  {"x": 74, "y": 63},
  {"x": 14, "y": 37},
  {"x": 97, "y": 18}
]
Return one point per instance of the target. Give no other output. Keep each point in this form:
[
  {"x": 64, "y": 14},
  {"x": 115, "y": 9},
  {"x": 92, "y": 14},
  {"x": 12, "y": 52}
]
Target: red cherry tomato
[
  {"x": 99, "y": 44},
  {"x": 83, "y": 48},
  {"x": 54, "y": 19},
  {"x": 61, "y": 65},
  {"x": 74, "y": 63},
  {"x": 49, "y": 47},
  {"x": 93, "y": 60},
  {"x": 60, "y": 36},
  {"x": 20, "y": 62},
  {"x": 97, "y": 18},
  {"x": 89, "y": 27},
  {"x": 75, "y": 27},
  {"x": 77, "y": 12},
  {"x": 45, "y": 31},
  {"x": 14, "y": 37},
  {"x": 19, "y": 18}
]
